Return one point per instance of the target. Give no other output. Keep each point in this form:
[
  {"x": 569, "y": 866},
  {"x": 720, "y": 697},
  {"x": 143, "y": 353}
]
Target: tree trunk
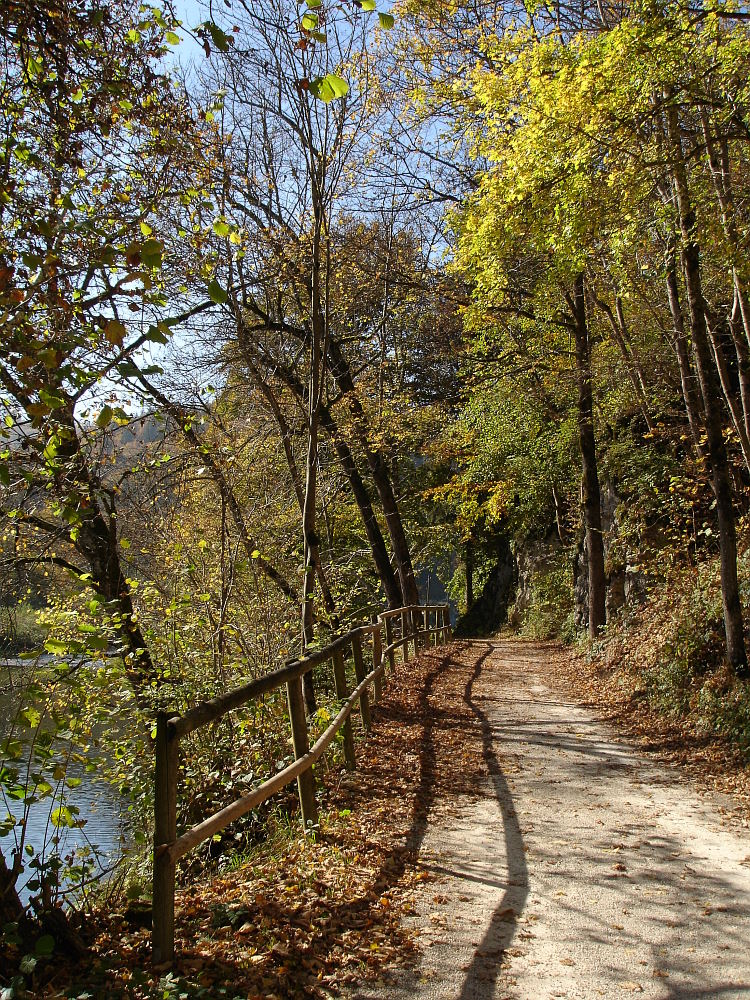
[
  {"x": 633, "y": 368},
  {"x": 359, "y": 490},
  {"x": 11, "y": 907},
  {"x": 388, "y": 578},
  {"x": 690, "y": 393},
  {"x": 310, "y": 540},
  {"x": 739, "y": 339},
  {"x": 314, "y": 398},
  {"x": 717, "y": 150},
  {"x": 96, "y": 541},
  {"x": 381, "y": 476},
  {"x": 592, "y": 514},
  {"x": 739, "y": 319},
  {"x": 299, "y": 490},
  {"x": 735, "y": 409},
  {"x": 560, "y": 514},
  {"x": 717, "y": 455}
]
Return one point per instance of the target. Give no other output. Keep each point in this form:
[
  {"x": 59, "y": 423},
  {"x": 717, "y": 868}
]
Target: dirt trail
[{"x": 577, "y": 868}]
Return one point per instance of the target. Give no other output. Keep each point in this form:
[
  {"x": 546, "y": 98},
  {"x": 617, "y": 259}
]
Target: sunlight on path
[{"x": 581, "y": 870}]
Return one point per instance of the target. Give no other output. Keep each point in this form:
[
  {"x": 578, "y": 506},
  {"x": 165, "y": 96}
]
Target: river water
[{"x": 102, "y": 811}]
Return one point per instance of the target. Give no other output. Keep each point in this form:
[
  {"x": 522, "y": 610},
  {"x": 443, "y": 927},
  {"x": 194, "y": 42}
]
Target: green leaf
[
  {"x": 12, "y": 750},
  {"x": 57, "y": 647},
  {"x": 4, "y": 475},
  {"x": 221, "y": 228},
  {"x": 29, "y": 717},
  {"x": 44, "y": 946},
  {"x": 172, "y": 37},
  {"x": 217, "y": 294},
  {"x": 62, "y": 817},
  {"x": 157, "y": 334},
  {"x": 218, "y": 37},
  {"x": 51, "y": 448},
  {"x": 368, "y": 5},
  {"x": 329, "y": 88},
  {"x": 27, "y": 964},
  {"x": 386, "y": 21},
  {"x": 309, "y": 21},
  {"x": 127, "y": 369},
  {"x": 105, "y": 416},
  {"x": 152, "y": 252},
  {"x": 51, "y": 399}
]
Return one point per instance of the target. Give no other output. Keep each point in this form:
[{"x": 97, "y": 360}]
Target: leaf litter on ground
[{"x": 309, "y": 915}]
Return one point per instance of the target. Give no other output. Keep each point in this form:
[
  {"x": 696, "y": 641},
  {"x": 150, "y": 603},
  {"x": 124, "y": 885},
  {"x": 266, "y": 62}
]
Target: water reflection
[{"x": 102, "y": 811}]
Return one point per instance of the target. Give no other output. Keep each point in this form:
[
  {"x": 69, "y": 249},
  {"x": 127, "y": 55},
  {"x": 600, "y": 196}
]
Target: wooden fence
[{"x": 420, "y": 626}]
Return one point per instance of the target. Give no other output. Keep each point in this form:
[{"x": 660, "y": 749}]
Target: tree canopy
[{"x": 354, "y": 306}]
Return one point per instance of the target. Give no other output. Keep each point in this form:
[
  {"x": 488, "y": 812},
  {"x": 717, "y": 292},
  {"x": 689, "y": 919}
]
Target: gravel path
[{"x": 580, "y": 870}]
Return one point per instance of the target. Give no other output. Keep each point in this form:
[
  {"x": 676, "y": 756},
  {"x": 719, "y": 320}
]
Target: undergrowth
[
  {"x": 550, "y": 613},
  {"x": 671, "y": 653}
]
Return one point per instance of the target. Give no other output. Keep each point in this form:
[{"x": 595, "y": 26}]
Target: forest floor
[
  {"x": 515, "y": 829},
  {"x": 583, "y": 864}
]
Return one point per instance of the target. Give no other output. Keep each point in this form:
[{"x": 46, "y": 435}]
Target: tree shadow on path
[{"x": 484, "y": 969}]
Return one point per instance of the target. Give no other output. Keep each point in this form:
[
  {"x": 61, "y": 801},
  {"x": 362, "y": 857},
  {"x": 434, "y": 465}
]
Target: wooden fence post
[
  {"x": 298, "y": 722},
  {"x": 165, "y": 834},
  {"x": 447, "y": 624},
  {"x": 359, "y": 669},
  {"x": 377, "y": 658},
  {"x": 342, "y": 692},
  {"x": 389, "y": 642},
  {"x": 405, "y": 618},
  {"x": 416, "y": 618}
]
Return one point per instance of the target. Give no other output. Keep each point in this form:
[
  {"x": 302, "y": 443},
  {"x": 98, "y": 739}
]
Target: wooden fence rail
[{"x": 414, "y": 627}]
